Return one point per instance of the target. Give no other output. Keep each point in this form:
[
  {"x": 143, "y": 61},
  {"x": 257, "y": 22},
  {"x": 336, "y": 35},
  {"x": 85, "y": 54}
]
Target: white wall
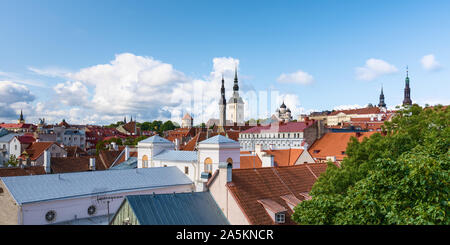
[{"x": 34, "y": 214}]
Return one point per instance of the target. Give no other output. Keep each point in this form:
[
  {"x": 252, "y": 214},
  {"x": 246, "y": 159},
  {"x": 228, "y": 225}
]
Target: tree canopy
[{"x": 399, "y": 178}]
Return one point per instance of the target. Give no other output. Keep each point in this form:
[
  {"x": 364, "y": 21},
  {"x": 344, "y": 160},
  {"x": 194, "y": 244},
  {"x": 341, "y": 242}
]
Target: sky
[{"x": 95, "y": 62}]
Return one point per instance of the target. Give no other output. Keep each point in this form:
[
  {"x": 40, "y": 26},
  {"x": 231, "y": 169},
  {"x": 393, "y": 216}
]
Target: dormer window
[{"x": 280, "y": 218}]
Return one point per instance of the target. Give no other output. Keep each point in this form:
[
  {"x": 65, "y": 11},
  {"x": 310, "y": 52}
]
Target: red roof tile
[
  {"x": 248, "y": 186},
  {"x": 26, "y": 170},
  {"x": 334, "y": 144}
]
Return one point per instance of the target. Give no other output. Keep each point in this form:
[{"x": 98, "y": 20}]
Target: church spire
[
  {"x": 21, "y": 120},
  {"x": 381, "y": 104},
  {"x": 125, "y": 119},
  {"x": 236, "y": 86},
  {"x": 222, "y": 105},
  {"x": 407, "y": 91}
]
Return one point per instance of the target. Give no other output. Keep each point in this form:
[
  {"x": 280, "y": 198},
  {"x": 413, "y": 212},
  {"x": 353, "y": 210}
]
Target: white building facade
[{"x": 198, "y": 166}]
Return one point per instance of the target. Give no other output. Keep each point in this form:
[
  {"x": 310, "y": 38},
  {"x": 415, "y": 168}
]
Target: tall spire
[
  {"x": 381, "y": 104},
  {"x": 131, "y": 119},
  {"x": 125, "y": 119},
  {"x": 21, "y": 120},
  {"x": 236, "y": 86},
  {"x": 407, "y": 91},
  {"x": 222, "y": 105}
]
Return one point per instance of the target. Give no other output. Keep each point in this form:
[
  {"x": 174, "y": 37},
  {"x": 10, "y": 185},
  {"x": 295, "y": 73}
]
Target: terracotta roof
[
  {"x": 69, "y": 164},
  {"x": 367, "y": 110},
  {"x": 36, "y": 149},
  {"x": 249, "y": 186},
  {"x": 72, "y": 151},
  {"x": 26, "y": 139},
  {"x": 291, "y": 199},
  {"x": 130, "y": 127},
  {"x": 16, "y": 125},
  {"x": 27, "y": 170},
  {"x": 334, "y": 144},
  {"x": 285, "y": 157},
  {"x": 280, "y": 127},
  {"x": 106, "y": 158},
  {"x": 187, "y": 116},
  {"x": 250, "y": 162},
  {"x": 64, "y": 123}
]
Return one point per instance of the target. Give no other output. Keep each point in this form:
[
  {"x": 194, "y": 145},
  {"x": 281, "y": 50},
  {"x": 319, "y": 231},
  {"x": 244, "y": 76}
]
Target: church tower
[
  {"x": 236, "y": 104},
  {"x": 21, "y": 120},
  {"x": 382, "y": 104},
  {"x": 222, "y": 105},
  {"x": 407, "y": 100}
]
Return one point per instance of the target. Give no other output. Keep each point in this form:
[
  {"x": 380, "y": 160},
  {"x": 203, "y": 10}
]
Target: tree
[
  {"x": 400, "y": 178},
  {"x": 166, "y": 126},
  {"x": 13, "y": 161}
]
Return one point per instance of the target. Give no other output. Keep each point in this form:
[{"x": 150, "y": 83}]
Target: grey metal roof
[
  {"x": 156, "y": 139},
  {"x": 3, "y": 132},
  {"x": 128, "y": 164},
  {"x": 96, "y": 220},
  {"x": 192, "y": 208},
  {"x": 73, "y": 132},
  {"x": 28, "y": 189},
  {"x": 179, "y": 156},
  {"x": 7, "y": 138},
  {"x": 218, "y": 139}
]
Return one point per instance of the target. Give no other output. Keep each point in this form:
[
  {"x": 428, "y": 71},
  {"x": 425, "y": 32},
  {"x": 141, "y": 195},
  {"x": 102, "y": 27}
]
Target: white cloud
[
  {"x": 12, "y": 92},
  {"x": 12, "y": 97},
  {"x": 430, "y": 63},
  {"x": 49, "y": 71},
  {"x": 347, "y": 107},
  {"x": 72, "y": 93},
  {"x": 373, "y": 69},
  {"x": 298, "y": 77}
]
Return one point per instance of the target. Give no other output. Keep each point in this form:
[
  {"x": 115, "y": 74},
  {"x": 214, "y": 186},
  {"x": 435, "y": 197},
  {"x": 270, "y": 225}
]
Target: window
[
  {"x": 208, "y": 165},
  {"x": 15, "y": 147},
  {"x": 186, "y": 170},
  {"x": 145, "y": 161},
  {"x": 279, "y": 218}
]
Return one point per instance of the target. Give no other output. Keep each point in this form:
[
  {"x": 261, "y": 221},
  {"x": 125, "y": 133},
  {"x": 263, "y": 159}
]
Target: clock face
[
  {"x": 50, "y": 215},
  {"x": 91, "y": 210}
]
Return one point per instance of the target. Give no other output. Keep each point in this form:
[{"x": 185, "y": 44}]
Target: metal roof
[
  {"x": 156, "y": 139},
  {"x": 7, "y": 138},
  {"x": 3, "y": 132},
  {"x": 128, "y": 164},
  {"x": 192, "y": 208},
  {"x": 28, "y": 189},
  {"x": 179, "y": 156},
  {"x": 218, "y": 139}
]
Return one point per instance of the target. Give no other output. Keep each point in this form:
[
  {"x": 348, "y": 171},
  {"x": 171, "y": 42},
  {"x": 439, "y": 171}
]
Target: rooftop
[
  {"x": 172, "y": 155},
  {"x": 37, "y": 188},
  {"x": 278, "y": 128},
  {"x": 156, "y": 139},
  {"x": 192, "y": 208},
  {"x": 218, "y": 139}
]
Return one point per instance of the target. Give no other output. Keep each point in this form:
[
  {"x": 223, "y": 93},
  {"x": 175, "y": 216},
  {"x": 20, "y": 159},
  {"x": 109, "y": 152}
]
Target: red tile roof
[
  {"x": 334, "y": 144},
  {"x": 16, "y": 125},
  {"x": 187, "y": 116},
  {"x": 285, "y": 157},
  {"x": 72, "y": 151},
  {"x": 250, "y": 162},
  {"x": 69, "y": 164},
  {"x": 26, "y": 139},
  {"x": 250, "y": 186},
  {"x": 36, "y": 149},
  {"x": 26, "y": 170},
  {"x": 367, "y": 110},
  {"x": 279, "y": 127}
]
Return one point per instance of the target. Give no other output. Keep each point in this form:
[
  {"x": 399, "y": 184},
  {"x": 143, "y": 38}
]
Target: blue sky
[{"x": 41, "y": 42}]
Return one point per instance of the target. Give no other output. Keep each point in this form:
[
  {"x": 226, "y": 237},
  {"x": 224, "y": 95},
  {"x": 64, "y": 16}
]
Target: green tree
[
  {"x": 13, "y": 161},
  {"x": 166, "y": 126},
  {"x": 400, "y": 178}
]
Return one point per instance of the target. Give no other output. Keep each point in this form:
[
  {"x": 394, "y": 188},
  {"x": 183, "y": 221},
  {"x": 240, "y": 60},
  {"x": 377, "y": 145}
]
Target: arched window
[
  {"x": 229, "y": 160},
  {"x": 145, "y": 161},
  {"x": 208, "y": 165}
]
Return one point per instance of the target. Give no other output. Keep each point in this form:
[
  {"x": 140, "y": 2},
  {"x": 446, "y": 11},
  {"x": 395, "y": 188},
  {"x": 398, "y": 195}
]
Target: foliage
[
  {"x": 400, "y": 178},
  {"x": 12, "y": 161}
]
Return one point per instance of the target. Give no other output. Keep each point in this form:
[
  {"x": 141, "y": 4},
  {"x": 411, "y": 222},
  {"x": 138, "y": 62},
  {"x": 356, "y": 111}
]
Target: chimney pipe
[
  {"x": 127, "y": 153},
  {"x": 47, "y": 164},
  {"x": 92, "y": 164}
]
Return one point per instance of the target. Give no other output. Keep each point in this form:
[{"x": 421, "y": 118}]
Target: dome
[{"x": 283, "y": 106}]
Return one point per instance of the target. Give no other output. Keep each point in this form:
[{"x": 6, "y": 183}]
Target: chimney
[
  {"x": 92, "y": 164},
  {"x": 127, "y": 153},
  {"x": 358, "y": 134},
  {"x": 267, "y": 160},
  {"x": 47, "y": 157},
  {"x": 225, "y": 172}
]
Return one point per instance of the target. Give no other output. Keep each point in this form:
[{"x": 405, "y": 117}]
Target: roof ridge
[
  {"x": 315, "y": 176},
  {"x": 276, "y": 173}
]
